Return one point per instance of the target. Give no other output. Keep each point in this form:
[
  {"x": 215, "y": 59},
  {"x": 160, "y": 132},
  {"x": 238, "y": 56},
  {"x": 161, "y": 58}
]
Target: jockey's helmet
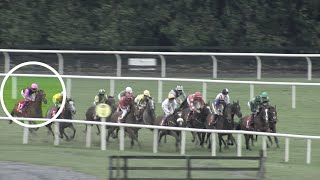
[
  {"x": 171, "y": 96},
  {"x": 34, "y": 86},
  {"x": 179, "y": 88},
  {"x": 197, "y": 94},
  {"x": 61, "y": 94},
  {"x": 129, "y": 89},
  {"x": 264, "y": 95},
  {"x": 102, "y": 91},
  {"x": 146, "y": 93},
  {"x": 225, "y": 91},
  {"x": 257, "y": 99}
]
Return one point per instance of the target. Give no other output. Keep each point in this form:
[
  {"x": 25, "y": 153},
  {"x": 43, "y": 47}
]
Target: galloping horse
[
  {"x": 91, "y": 113},
  {"x": 273, "y": 119},
  {"x": 68, "y": 112},
  {"x": 32, "y": 109},
  {"x": 130, "y": 118},
  {"x": 261, "y": 123},
  {"x": 175, "y": 120},
  {"x": 148, "y": 115}
]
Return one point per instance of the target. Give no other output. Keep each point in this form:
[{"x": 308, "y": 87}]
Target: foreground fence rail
[
  {"x": 213, "y": 132},
  {"x": 122, "y": 169}
]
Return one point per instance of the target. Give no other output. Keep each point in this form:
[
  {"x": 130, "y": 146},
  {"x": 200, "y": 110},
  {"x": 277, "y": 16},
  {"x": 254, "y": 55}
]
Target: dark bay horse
[
  {"x": 273, "y": 119},
  {"x": 32, "y": 109},
  {"x": 91, "y": 112},
  {"x": 69, "y": 110},
  {"x": 148, "y": 115},
  {"x": 175, "y": 120},
  {"x": 130, "y": 118},
  {"x": 261, "y": 124}
]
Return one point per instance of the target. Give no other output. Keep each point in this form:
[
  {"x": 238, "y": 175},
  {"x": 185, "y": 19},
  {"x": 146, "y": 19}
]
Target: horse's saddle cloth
[
  {"x": 249, "y": 121},
  {"x": 54, "y": 111},
  {"x": 20, "y": 104}
]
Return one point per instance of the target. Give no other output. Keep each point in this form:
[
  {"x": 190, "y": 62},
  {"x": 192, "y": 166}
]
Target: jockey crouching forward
[
  {"x": 169, "y": 105},
  {"x": 196, "y": 97},
  {"x": 254, "y": 106},
  {"x": 124, "y": 92},
  {"x": 141, "y": 102},
  {"x": 57, "y": 101},
  {"x": 178, "y": 93},
  {"x": 220, "y": 100},
  {"x": 29, "y": 95},
  {"x": 124, "y": 105},
  {"x": 101, "y": 97}
]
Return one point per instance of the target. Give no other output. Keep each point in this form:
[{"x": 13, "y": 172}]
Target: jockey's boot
[
  {"x": 252, "y": 121},
  {"x": 163, "y": 121}
]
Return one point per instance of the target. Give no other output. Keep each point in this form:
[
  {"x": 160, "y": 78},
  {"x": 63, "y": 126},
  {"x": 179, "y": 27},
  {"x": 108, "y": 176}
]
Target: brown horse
[
  {"x": 261, "y": 124},
  {"x": 175, "y": 120},
  {"x": 148, "y": 115},
  {"x": 69, "y": 110},
  {"x": 130, "y": 118},
  {"x": 32, "y": 109},
  {"x": 91, "y": 113}
]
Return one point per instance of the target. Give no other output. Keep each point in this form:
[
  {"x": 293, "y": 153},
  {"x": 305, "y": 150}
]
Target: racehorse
[
  {"x": 148, "y": 115},
  {"x": 130, "y": 118},
  {"x": 261, "y": 124},
  {"x": 91, "y": 112},
  {"x": 175, "y": 120},
  {"x": 69, "y": 110},
  {"x": 32, "y": 109}
]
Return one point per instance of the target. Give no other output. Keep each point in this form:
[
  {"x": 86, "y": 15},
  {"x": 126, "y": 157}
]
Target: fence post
[
  {"x": 204, "y": 91},
  {"x": 293, "y": 96},
  {"x": 118, "y": 65},
  {"x": 155, "y": 140},
  {"x": 60, "y": 63},
  {"x": 183, "y": 142},
  {"x": 111, "y": 167},
  {"x": 69, "y": 86},
  {"x": 251, "y": 91},
  {"x": 309, "y": 68},
  {"x": 25, "y": 134},
  {"x": 103, "y": 134},
  {"x": 215, "y": 66},
  {"x": 213, "y": 145},
  {"x": 56, "y": 134},
  {"x": 286, "y": 149},
  {"x": 125, "y": 167},
  {"x": 163, "y": 66},
  {"x": 6, "y": 62},
  {"x": 188, "y": 167},
  {"x": 239, "y": 145},
  {"x": 308, "y": 151},
  {"x": 159, "y": 91},
  {"x": 88, "y": 136},
  {"x": 258, "y": 67},
  {"x": 14, "y": 87},
  {"x": 112, "y": 88},
  {"x": 264, "y": 145},
  {"x": 121, "y": 138}
]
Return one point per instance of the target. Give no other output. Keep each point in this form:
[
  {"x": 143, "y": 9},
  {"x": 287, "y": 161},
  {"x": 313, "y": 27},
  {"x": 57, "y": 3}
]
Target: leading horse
[{"x": 32, "y": 109}]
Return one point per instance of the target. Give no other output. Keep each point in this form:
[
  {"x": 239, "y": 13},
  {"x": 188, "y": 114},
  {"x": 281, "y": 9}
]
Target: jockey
[
  {"x": 28, "y": 95},
  {"x": 225, "y": 93},
  {"x": 219, "y": 100},
  {"x": 124, "y": 92},
  {"x": 169, "y": 105},
  {"x": 124, "y": 105},
  {"x": 101, "y": 97},
  {"x": 254, "y": 106},
  {"x": 57, "y": 101},
  {"x": 141, "y": 101},
  {"x": 191, "y": 99},
  {"x": 264, "y": 98},
  {"x": 178, "y": 93}
]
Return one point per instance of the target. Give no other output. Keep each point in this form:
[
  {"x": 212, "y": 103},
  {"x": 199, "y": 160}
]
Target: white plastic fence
[
  {"x": 160, "y": 82},
  {"x": 162, "y": 58},
  {"x": 183, "y": 136}
]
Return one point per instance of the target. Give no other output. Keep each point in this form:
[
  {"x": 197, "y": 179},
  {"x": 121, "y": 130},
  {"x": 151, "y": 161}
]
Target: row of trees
[{"x": 110, "y": 24}]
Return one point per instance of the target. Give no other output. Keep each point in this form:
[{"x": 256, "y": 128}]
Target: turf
[{"x": 74, "y": 155}]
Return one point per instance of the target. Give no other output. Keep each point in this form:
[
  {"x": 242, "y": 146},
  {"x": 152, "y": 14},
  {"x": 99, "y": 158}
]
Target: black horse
[{"x": 69, "y": 110}]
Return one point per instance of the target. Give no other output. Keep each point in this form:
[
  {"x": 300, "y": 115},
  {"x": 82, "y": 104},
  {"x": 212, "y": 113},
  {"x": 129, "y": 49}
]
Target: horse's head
[
  {"x": 41, "y": 96},
  {"x": 70, "y": 107},
  {"x": 150, "y": 105},
  {"x": 220, "y": 109},
  {"x": 197, "y": 105},
  {"x": 227, "y": 113},
  {"x": 264, "y": 114},
  {"x": 236, "y": 109},
  {"x": 178, "y": 116},
  {"x": 273, "y": 115}
]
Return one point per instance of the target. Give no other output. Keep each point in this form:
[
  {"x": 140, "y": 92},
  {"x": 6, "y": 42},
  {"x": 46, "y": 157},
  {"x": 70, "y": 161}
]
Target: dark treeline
[{"x": 241, "y": 25}]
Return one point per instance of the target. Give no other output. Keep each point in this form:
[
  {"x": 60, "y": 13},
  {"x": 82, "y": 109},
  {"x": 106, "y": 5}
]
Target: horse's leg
[
  {"x": 85, "y": 130},
  {"x": 74, "y": 131},
  {"x": 270, "y": 140},
  {"x": 208, "y": 139},
  {"x": 174, "y": 134},
  {"x": 233, "y": 141},
  {"x": 252, "y": 139},
  {"x": 203, "y": 139},
  {"x": 61, "y": 130},
  {"x": 132, "y": 134},
  {"x": 110, "y": 131},
  {"x": 220, "y": 141},
  {"x": 98, "y": 133},
  {"x": 274, "y": 130},
  {"x": 247, "y": 137}
]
